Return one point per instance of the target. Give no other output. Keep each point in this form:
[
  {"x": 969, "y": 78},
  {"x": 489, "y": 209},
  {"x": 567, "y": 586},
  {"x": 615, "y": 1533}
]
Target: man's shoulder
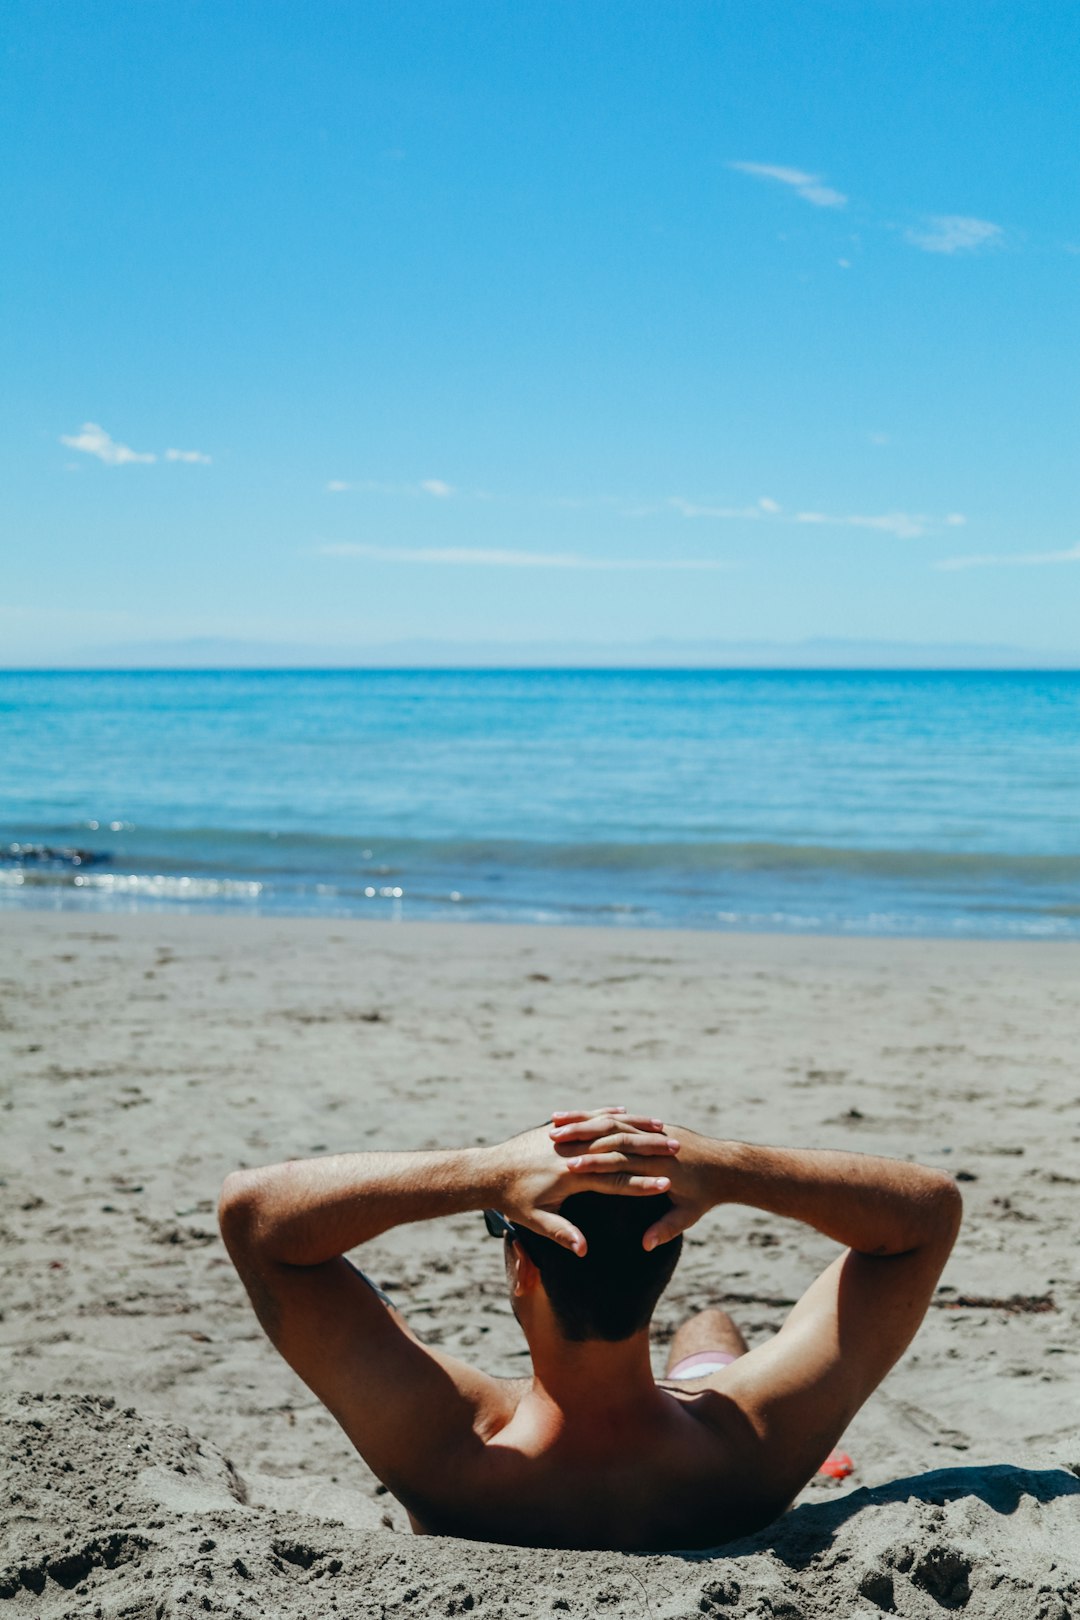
[{"x": 690, "y": 1490}]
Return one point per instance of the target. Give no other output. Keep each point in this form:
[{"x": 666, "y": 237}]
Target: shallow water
[{"x": 823, "y": 801}]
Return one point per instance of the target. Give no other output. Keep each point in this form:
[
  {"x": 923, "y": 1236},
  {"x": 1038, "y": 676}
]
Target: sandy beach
[{"x": 160, "y": 1459}]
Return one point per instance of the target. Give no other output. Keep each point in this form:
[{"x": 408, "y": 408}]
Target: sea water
[{"x": 852, "y": 802}]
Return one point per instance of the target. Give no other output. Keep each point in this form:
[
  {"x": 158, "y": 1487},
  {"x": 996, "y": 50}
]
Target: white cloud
[
  {"x": 94, "y": 441},
  {"x": 691, "y": 509},
  {"x": 955, "y": 233},
  {"x": 370, "y": 486},
  {"x": 194, "y": 456},
  {"x": 1018, "y": 559},
  {"x": 807, "y": 186},
  {"x": 477, "y": 557},
  {"x": 938, "y": 233},
  {"x": 375, "y": 486},
  {"x": 904, "y": 525}
]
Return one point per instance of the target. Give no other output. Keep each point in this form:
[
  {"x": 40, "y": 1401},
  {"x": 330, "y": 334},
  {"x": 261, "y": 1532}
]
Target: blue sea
[{"x": 864, "y": 803}]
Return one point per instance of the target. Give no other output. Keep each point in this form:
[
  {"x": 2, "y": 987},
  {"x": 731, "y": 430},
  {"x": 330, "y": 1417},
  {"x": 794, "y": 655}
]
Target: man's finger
[
  {"x": 601, "y": 1161},
  {"x": 576, "y": 1121},
  {"x": 575, "y": 1116},
  {"x": 601, "y": 1124},
  {"x": 667, "y": 1227},
  {"x": 560, "y": 1231},
  {"x": 593, "y": 1125},
  {"x": 568, "y": 1115},
  {"x": 643, "y": 1124},
  {"x": 596, "y": 1164},
  {"x": 638, "y": 1145},
  {"x": 625, "y": 1182}
]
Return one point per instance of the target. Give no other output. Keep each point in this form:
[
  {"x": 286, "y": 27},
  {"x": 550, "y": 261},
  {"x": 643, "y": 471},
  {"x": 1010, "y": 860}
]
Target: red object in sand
[{"x": 838, "y": 1465}]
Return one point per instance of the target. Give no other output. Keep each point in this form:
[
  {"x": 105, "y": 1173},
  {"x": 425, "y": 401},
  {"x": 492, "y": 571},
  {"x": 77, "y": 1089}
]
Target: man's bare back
[{"x": 591, "y": 1451}]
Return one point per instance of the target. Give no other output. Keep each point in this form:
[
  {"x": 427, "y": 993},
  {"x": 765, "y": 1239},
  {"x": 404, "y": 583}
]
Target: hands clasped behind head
[{"x": 602, "y": 1150}]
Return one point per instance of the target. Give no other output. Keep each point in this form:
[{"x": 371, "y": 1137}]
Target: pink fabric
[
  {"x": 701, "y": 1363},
  {"x": 837, "y": 1465}
]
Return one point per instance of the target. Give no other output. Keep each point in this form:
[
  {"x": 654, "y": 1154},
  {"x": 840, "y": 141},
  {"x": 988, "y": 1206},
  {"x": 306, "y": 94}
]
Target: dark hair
[{"x": 610, "y": 1292}]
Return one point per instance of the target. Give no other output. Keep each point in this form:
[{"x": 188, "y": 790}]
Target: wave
[
  {"x": 725, "y": 857},
  {"x": 150, "y": 886},
  {"x": 757, "y": 902},
  {"x": 257, "y": 853}
]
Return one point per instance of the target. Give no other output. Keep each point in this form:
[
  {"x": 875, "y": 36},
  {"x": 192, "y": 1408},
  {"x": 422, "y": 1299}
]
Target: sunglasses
[{"x": 498, "y": 1225}]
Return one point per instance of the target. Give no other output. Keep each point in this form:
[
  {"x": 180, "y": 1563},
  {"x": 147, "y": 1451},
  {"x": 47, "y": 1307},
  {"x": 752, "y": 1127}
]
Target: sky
[{"x": 341, "y": 328}]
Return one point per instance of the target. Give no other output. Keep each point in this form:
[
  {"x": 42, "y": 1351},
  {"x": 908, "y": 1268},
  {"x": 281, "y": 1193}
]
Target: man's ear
[{"x": 524, "y": 1273}]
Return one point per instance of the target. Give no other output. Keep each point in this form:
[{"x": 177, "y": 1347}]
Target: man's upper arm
[
  {"x": 405, "y": 1406},
  {"x": 801, "y": 1389}
]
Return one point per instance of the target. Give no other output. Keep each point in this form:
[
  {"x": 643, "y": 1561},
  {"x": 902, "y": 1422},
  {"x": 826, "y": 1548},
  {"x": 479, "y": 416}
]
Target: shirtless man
[{"x": 591, "y": 1451}]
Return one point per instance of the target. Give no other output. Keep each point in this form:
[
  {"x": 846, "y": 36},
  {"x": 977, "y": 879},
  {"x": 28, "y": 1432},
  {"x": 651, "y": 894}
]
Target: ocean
[{"x": 821, "y": 801}]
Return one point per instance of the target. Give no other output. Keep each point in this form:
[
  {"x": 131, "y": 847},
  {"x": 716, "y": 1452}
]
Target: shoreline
[
  {"x": 146, "y": 916},
  {"x": 16, "y": 903}
]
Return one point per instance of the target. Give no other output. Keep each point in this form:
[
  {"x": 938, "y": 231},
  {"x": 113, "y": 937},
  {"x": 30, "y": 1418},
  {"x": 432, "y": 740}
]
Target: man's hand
[
  {"x": 536, "y": 1171},
  {"x": 878, "y": 1207},
  {"x": 308, "y": 1211},
  {"x": 599, "y": 1143}
]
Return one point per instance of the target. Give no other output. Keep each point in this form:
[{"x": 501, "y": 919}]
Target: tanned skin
[{"x": 591, "y": 1451}]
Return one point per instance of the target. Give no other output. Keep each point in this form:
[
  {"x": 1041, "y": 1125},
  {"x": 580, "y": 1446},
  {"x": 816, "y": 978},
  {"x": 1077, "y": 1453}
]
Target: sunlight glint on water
[{"x": 861, "y": 802}]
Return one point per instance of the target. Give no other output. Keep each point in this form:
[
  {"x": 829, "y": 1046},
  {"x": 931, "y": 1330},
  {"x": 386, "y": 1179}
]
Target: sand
[{"x": 158, "y": 1458}]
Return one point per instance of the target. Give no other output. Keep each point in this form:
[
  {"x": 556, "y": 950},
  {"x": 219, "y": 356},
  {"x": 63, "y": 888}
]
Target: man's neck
[{"x": 594, "y": 1388}]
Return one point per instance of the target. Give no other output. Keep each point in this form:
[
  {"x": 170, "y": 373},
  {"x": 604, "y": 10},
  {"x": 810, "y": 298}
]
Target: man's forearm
[
  {"x": 310, "y": 1210},
  {"x": 877, "y": 1206}
]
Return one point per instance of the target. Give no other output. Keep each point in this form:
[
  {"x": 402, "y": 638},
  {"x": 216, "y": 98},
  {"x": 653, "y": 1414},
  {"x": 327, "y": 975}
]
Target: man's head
[{"x": 611, "y": 1291}]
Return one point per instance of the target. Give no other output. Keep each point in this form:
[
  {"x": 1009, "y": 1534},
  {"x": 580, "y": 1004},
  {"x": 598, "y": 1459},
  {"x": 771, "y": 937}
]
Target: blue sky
[{"x": 337, "y": 325}]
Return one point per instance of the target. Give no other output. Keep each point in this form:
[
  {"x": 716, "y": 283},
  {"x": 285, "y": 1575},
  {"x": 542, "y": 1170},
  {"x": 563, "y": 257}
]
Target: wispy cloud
[
  {"x": 194, "y": 456},
  {"x": 93, "y": 440},
  {"x": 954, "y": 233},
  {"x": 808, "y": 186},
  {"x": 936, "y": 233},
  {"x": 903, "y": 525},
  {"x": 480, "y": 557},
  {"x": 1016, "y": 559},
  {"x": 694, "y": 509},
  {"x": 375, "y": 486}
]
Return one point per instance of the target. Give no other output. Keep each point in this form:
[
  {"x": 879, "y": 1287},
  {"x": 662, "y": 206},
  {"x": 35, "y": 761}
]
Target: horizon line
[{"x": 1065, "y": 668}]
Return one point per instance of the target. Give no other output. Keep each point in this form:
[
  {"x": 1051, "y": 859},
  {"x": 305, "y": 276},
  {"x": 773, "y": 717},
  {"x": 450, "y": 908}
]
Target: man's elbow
[
  {"x": 946, "y": 1208},
  {"x": 239, "y": 1209}
]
